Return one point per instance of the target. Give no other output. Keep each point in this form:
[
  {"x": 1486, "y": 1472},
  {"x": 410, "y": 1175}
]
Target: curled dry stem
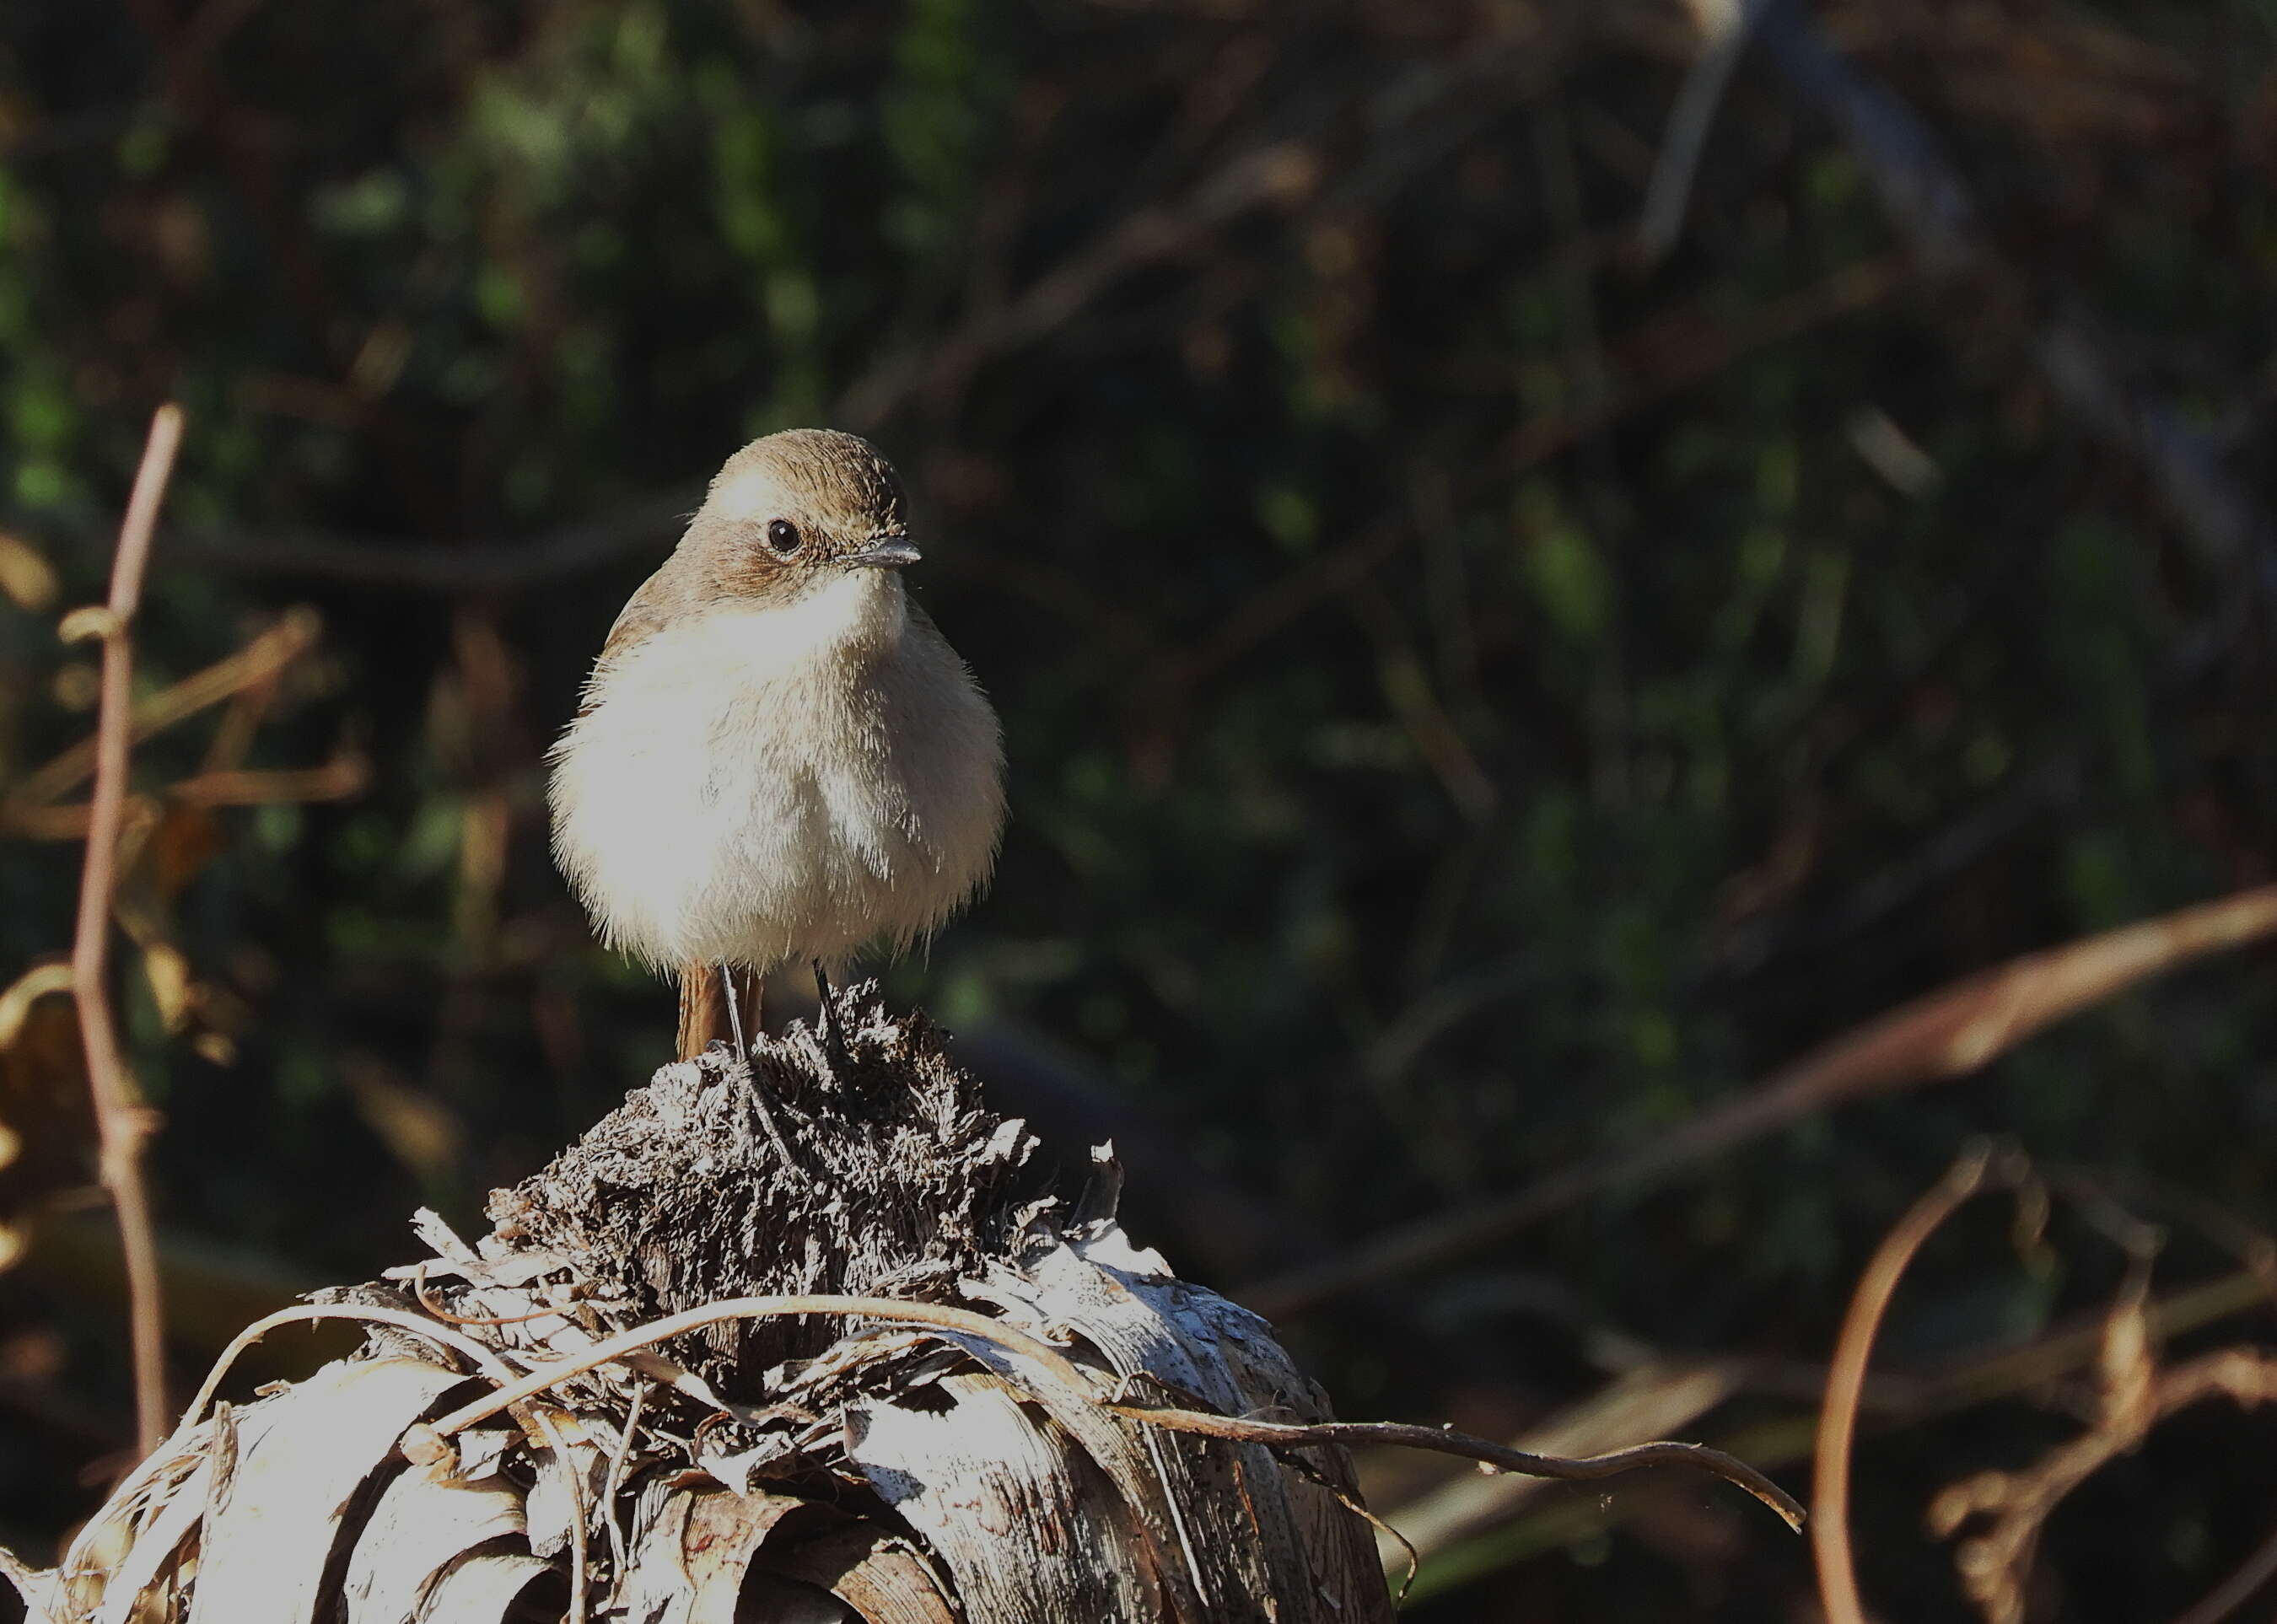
[
  {"x": 1065, "y": 1373},
  {"x": 512, "y": 1391},
  {"x": 1978, "y": 1169}
]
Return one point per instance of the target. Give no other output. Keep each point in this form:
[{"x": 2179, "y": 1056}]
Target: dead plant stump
[{"x": 899, "y": 1391}]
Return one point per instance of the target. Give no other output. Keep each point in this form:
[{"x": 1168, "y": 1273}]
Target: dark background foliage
[{"x": 1475, "y": 693}]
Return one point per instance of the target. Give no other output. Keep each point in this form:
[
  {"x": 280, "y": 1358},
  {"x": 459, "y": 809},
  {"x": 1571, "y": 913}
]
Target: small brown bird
[{"x": 779, "y": 759}]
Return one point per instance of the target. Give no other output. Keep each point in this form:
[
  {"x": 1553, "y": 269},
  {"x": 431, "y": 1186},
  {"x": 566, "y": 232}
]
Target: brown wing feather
[{"x": 646, "y": 613}]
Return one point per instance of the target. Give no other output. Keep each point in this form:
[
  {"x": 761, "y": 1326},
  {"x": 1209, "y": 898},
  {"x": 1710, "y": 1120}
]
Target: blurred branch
[
  {"x": 342, "y": 779},
  {"x": 1941, "y": 1035},
  {"x": 1414, "y": 699},
  {"x": 1888, "y": 1401},
  {"x": 1995, "y": 1565},
  {"x": 473, "y": 565},
  {"x": 294, "y": 633},
  {"x": 1724, "y": 25},
  {"x": 122, "y": 1122},
  {"x": 212, "y": 1290},
  {"x": 1278, "y": 174},
  {"x": 1667, "y": 357},
  {"x": 251, "y": 673},
  {"x": 1745, "y": 946},
  {"x": 1273, "y": 173},
  {"x": 1931, "y": 208}
]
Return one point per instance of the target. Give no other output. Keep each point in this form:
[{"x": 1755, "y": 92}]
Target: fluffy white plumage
[{"x": 774, "y": 778}]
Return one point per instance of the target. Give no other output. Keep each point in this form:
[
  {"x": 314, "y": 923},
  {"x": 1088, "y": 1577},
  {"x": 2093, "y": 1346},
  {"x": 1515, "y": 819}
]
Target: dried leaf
[
  {"x": 1029, "y": 1525},
  {"x": 264, "y": 1556},
  {"x": 871, "y": 1570},
  {"x": 155, "y": 1546},
  {"x": 691, "y": 1550},
  {"x": 102, "y": 1546},
  {"x": 423, "y": 1524},
  {"x": 478, "y": 1590}
]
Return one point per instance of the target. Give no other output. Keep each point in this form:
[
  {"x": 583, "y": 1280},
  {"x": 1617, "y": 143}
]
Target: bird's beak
[{"x": 886, "y": 553}]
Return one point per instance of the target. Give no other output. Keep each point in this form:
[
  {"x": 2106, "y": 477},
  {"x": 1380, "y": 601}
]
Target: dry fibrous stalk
[{"x": 820, "y": 1350}]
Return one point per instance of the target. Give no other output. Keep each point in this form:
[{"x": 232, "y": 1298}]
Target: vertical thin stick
[{"x": 122, "y": 1123}]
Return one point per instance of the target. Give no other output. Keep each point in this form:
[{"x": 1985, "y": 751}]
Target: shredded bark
[{"x": 900, "y": 1182}]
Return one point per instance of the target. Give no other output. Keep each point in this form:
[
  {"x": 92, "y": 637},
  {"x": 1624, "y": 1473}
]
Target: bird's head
[{"x": 797, "y": 511}]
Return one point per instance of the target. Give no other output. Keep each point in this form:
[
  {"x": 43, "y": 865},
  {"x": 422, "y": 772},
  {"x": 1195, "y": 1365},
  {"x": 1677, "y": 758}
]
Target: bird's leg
[
  {"x": 699, "y": 1011},
  {"x": 705, "y": 987},
  {"x": 833, "y": 1031},
  {"x": 735, "y": 1011}
]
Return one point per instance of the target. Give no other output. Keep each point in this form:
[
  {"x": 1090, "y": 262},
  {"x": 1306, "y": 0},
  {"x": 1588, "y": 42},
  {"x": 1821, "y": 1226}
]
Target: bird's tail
[{"x": 704, "y": 1008}]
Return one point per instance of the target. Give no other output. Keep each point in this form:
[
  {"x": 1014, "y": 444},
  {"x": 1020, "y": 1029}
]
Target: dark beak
[{"x": 886, "y": 553}]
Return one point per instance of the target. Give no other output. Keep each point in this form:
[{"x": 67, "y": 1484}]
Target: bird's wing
[{"x": 645, "y": 614}]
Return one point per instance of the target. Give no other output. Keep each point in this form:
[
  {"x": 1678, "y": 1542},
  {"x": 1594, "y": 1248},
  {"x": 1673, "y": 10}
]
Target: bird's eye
[{"x": 783, "y": 536}]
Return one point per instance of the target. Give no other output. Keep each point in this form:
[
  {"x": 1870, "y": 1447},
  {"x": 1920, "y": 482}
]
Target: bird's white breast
[{"x": 760, "y": 785}]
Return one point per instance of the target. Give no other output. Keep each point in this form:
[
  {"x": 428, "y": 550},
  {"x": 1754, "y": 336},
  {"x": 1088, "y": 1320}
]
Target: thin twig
[
  {"x": 1944, "y": 1034},
  {"x": 1287, "y": 1434},
  {"x": 1351, "y": 1503},
  {"x": 1845, "y": 1378},
  {"x": 122, "y": 1123},
  {"x": 1659, "y": 1399},
  {"x": 616, "y": 1482}
]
